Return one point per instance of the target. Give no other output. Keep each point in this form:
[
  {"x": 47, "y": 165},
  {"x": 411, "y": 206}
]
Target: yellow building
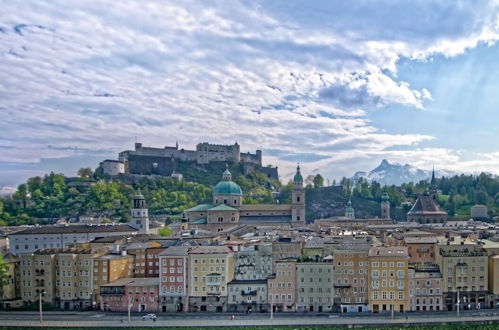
[
  {"x": 494, "y": 280},
  {"x": 211, "y": 269},
  {"x": 388, "y": 280},
  {"x": 63, "y": 277}
]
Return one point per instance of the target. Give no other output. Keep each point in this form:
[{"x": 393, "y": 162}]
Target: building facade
[
  {"x": 314, "y": 286},
  {"x": 253, "y": 262},
  {"x": 464, "y": 269},
  {"x": 174, "y": 279},
  {"x": 282, "y": 286},
  {"x": 211, "y": 269},
  {"x": 426, "y": 289},
  {"x": 138, "y": 294},
  {"x": 247, "y": 296},
  {"x": 389, "y": 279},
  {"x": 351, "y": 277}
]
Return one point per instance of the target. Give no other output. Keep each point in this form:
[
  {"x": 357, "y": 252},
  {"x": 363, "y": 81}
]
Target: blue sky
[{"x": 335, "y": 85}]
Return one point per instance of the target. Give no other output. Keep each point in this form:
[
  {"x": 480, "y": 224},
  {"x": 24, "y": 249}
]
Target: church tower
[
  {"x": 298, "y": 198},
  {"x": 433, "y": 187},
  {"x": 385, "y": 206},
  {"x": 140, "y": 216},
  {"x": 349, "y": 211}
]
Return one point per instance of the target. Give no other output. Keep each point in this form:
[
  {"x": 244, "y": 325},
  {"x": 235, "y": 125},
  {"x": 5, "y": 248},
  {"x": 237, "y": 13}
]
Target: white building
[
  {"x": 112, "y": 167},
  {"x": 50, "y": 237}
]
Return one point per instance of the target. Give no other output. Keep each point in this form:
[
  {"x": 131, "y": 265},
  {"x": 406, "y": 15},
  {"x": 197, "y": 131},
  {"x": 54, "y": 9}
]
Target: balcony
[
  {"x": 248, "y": 302},
  {"x": 342, "y": 285},
  {"x": 214, "y": 293},
  {"x": 248, "y": 292}
]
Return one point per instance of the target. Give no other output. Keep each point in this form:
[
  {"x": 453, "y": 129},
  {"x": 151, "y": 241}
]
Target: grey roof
[
  {"x": 265, "y": 218},
  {"x": 425, "y": 205},
  {"x": 176, "y": 251},
  {"x": 75, "y": 229}
]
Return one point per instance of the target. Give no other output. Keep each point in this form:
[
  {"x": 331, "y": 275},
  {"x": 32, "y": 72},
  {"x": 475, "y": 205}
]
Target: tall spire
[{"x": 432, "y": 182}]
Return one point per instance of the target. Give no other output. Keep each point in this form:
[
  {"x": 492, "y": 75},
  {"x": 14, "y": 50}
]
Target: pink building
[
  {"x": 282, "y": 286},
  {"x": 141, "y": 293},
  {"x": 173, "y": 279},
  {"x": 152, "y": 261}
]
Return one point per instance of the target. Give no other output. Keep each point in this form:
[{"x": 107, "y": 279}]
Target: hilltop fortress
[{"x": 163, "y": 161}]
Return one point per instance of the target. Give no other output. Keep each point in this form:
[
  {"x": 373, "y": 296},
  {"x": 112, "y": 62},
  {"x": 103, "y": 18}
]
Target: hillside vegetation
[{"x": 43, "y": 199}]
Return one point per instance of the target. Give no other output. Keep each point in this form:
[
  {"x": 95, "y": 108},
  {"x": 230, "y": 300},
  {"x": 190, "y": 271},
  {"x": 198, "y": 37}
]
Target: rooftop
[
  {"x": 392, "y": 251},
  {"x": 265, "y": 207},
  {"x": 75, "y": 229},
  {"x": 425, "y": 205},
  {"x": 210, "y": 250},
  {"x": 64, "y": 251},
  {"x": 176, "y": 251}
]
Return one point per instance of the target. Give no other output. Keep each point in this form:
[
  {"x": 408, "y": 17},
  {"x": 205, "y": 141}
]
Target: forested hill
[{"x": 41, "y": 200}]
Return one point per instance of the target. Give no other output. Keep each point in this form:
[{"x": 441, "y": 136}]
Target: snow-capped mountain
[{"x": 392, "y": 173}]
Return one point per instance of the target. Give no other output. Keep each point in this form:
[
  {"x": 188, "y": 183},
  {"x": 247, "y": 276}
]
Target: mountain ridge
[{"x": 387, "y": 173}]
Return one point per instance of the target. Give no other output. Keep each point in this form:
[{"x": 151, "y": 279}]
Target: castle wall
[{"x": 150, "y": 165}]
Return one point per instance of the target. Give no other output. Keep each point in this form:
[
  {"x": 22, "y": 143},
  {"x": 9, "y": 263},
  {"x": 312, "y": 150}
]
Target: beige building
[
  {"x": 314, "y": 286},
  {"x": 63, "y": 276},
  {"x": 282, "y": 286},
  {"x": 389, "y": 279},
  {"x": 351, "y": 277},
  {"x": 211, "y": 269},
  {"x": 494, "y": 280},
  {"x": 464, "y": 268},
  {"x": 425, "y": 288},
  {"x": 10, "y": 287}
]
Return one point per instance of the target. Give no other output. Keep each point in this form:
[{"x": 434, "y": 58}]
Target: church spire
[{"x": 432, "y": 182}]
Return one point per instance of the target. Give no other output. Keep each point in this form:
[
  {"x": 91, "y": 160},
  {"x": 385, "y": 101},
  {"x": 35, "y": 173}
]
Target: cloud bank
[{"x": 86, "y": 78}]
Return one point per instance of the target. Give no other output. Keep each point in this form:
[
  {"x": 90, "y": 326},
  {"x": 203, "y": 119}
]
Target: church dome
[
  {"x": 227, "y": 188},
  {"x": 298, "y": 177}
]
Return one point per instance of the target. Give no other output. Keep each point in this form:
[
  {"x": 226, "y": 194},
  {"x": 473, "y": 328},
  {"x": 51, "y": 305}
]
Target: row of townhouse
[{"x": 352, "y": 276}]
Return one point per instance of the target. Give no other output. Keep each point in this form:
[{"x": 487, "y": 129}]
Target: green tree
[
  {"x": 3, "y": 270},
  {"x": 318, "y": 181},
  {"x": 85, "y": 172},
  {"x": 165, "y": 231}
]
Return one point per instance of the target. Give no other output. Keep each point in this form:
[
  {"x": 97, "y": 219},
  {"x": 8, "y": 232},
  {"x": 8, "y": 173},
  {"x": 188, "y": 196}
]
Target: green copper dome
[
  {"x": 227, "y": 188},
  {"x": 298, "y": 177},
  {"x": 385, "y": 197}
]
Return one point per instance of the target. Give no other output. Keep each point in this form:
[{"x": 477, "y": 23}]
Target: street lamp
[
  {"x": 41, "y": 293},
  {"x": 129, "y": 306},
  {"x": 458, "y": 301}
]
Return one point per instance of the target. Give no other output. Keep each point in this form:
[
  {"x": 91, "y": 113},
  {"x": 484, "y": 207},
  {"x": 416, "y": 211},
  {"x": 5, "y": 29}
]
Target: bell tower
[
  {"x": 140, "y": 216},
  {"x": 385, "y": 206},
  {"x": 298, "y": 198}
]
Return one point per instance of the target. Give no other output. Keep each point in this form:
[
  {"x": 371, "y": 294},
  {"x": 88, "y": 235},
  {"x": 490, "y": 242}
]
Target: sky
[{"x": 334, "y": 85}]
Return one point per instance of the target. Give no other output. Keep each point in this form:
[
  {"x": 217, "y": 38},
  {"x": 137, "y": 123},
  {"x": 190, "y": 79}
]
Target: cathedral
[
  {"x": 426, "y": 208},
  {"x": 228, "y": 211}
]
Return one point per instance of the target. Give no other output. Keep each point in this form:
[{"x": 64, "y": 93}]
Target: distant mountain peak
[{"x": 387, "y": 173}]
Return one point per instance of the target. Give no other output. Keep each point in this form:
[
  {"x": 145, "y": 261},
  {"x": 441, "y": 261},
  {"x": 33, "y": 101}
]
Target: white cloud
[{"x": 94, "y": 75}]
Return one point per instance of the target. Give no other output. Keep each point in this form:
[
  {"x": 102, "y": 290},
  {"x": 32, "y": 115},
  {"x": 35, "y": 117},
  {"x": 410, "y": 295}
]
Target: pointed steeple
[{"x": 433, "y": 182}]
